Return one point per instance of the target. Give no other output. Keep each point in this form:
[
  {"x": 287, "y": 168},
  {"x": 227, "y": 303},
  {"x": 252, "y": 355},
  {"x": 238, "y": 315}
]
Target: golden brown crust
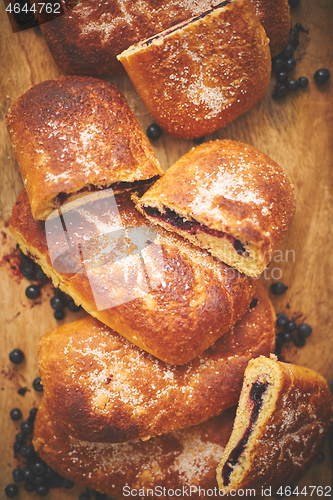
[
  {"x": 188, "y": 301},
  {"x": 294, "y": 416},
  {"x": 197, "y": 87},
  {"x": 74, "y": 133},
  {"x": 81, "y": 44},
  {"x": 275, "y": 18},
  {"x": 99, "y": 387},
  {"x": 230, "y": 187},
  {"x": 182, "y": 459}
]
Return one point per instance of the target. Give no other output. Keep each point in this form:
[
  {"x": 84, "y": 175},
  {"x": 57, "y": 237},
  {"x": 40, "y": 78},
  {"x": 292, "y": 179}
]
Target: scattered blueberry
[
  {"x": 154, "y": 131},
  {"x": 288, "y": 52},
  {"x": 22, "y": 391},
  {"x": 322, "y": 75},
  {"x": 303, "y": 81},
  {"x": 26, "y": 427},
  {"x": 67, "y": 483},
  {"x": 72, "y": 306},
  {"x": 41, "y": 276},
  {"x": 287, "y": 337},
  {"x": 37, "y": 385},
  {"x": 27, "y": 452},
  {"x": 293, "y": 3},
  {"x": 42, "y": 490},
  {"x": 58, "y": 302},
  {"x": 292, "y": 84},
  {"x": 59, "y": 315},
  {"x": 49, "y": 473},
  {"x": 278, "y": 65},
  {"x": 15, "y": 414},
  {"x": 253, "y": 304},
  {"x": 280, "y": 91},
  {"x": 20, "y": 438},
  {"x": 278, "y": 288},
  {"x": 27, "y": 267},
  {"x": 28, "y": 475},
  {"x": 11, "y": 490},
  {"x": 18, "y": 475},
  {"x": 39, "y": 480},
  {"x": 199, "y": 140},
  {"x": 282, "y": 77},
  {"x": 39, "y": 468},
  {"x": 282, "y": 319},
  {"x": 17, "y": 447},
  {"x": 29, "y": 487},
  {"x": 304, "y": 330},
  {"x": 33, "y": 292},
  {"x": 33, "y": 413},
  {"x": 290, "y": 64},
  {"x": 299, "y": 341},
  {"x": 16, "y": 356},
  {"x": 290, "y": 327},
  {"x": 320, "y": 457}
]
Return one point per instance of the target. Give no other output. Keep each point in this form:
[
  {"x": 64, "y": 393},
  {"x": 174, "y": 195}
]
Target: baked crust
[
  {"x": 196, "y": 87},
  {"x": 187, "y": 302},
  {"x": 182, "y": 459},
  {"x": 73, "y": 133},
  {"x": 275, "y": 18},
  {"x": 100, "y": 387},
  {"x": 285, "y": 411},
  {"x": 229, "y": 189},
  {"x": 87, "y": 37}
]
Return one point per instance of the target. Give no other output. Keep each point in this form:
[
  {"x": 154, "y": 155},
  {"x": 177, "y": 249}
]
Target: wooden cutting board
[{"x": 296, "y": 132}]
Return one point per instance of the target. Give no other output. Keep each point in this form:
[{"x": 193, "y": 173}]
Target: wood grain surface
[{"x": 296, "y": 132}]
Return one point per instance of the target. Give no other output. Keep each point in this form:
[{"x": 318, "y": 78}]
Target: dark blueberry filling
[
  {"x": 117, "y": 186},
  {"x": 256, "y": 394},
  {"x": 192, "y": 226},
  {"x": 182, "y": 25}
]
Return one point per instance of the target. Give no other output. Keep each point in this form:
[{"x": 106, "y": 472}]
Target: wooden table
[{"x": 296, "y": 132}]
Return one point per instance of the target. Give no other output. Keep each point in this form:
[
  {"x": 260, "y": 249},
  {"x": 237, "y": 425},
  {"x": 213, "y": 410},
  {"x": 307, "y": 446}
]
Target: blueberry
[
  {"x": 282, "y": 319},
  {"x": 41, "y": 276},
  {"x": 15, "y": 414},
  {"x": 17, "y": 448},
  {"x": 37, "y": 385},
  {"x": 20, "y": 438},
  {"x": 26, "y": 427},
  {"x": 303, "y": 81},
  {"x": 154, "y": 131},
  {"x": 278, "y": 288},
  {"x": 304, "y": 330},
  {"x": 290, "y": 327},
  {"x": 11, "y": 490},
  {"x": 73, "y": 307},
  {"x": 33, "y": 413},
  {"x": 16, "y": 356},
  {"x": 287, "y": 337},
  {"x": 39, "y": 468},
  {"x": 27, "y": 452},
  {"x": 293, "y": 3},
  {"x": 29, "y": 487},
  {"x": 282, "y": 77},
  {"x": 280, "y": 91},
  {"x": 199, "y": 140},
  {"x": 67, "y": 483},
  {"x": 58, "y": 302},
  {"x": 320, "y": 457},
  {"x": 55, "y": 482},
  {"x": 288, "y": 52},
  {"x": 59, "y": 315},
  {"x": 27, "y": 267},
  {"x": 18, "y": 475},
  {"x": 42, "y": 490},
  {"x": 39, "y": 480},
  {"x": 299, "y": 341},
  {"x": 32, "y": 292},
  {"x": 322, "y": 75},
  {"x": 28, "y": 475},
  {"x": 292, "y": 84},
  {"x": 298, "y": 28},
  {"x": 278, "y": 65},
  {"x": 49, "y": 473},
  {"x": 253, "y": 303},
  {"x": 290, "y": 64}
]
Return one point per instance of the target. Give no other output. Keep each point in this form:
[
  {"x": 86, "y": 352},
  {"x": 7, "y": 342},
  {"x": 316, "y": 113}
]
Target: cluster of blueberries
[
  {"x": 36, "y": 475},
  {"x": 32, "y": 271},
  {"x": 285, "y": 63},
  {"x": 288, "y": 331}
]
